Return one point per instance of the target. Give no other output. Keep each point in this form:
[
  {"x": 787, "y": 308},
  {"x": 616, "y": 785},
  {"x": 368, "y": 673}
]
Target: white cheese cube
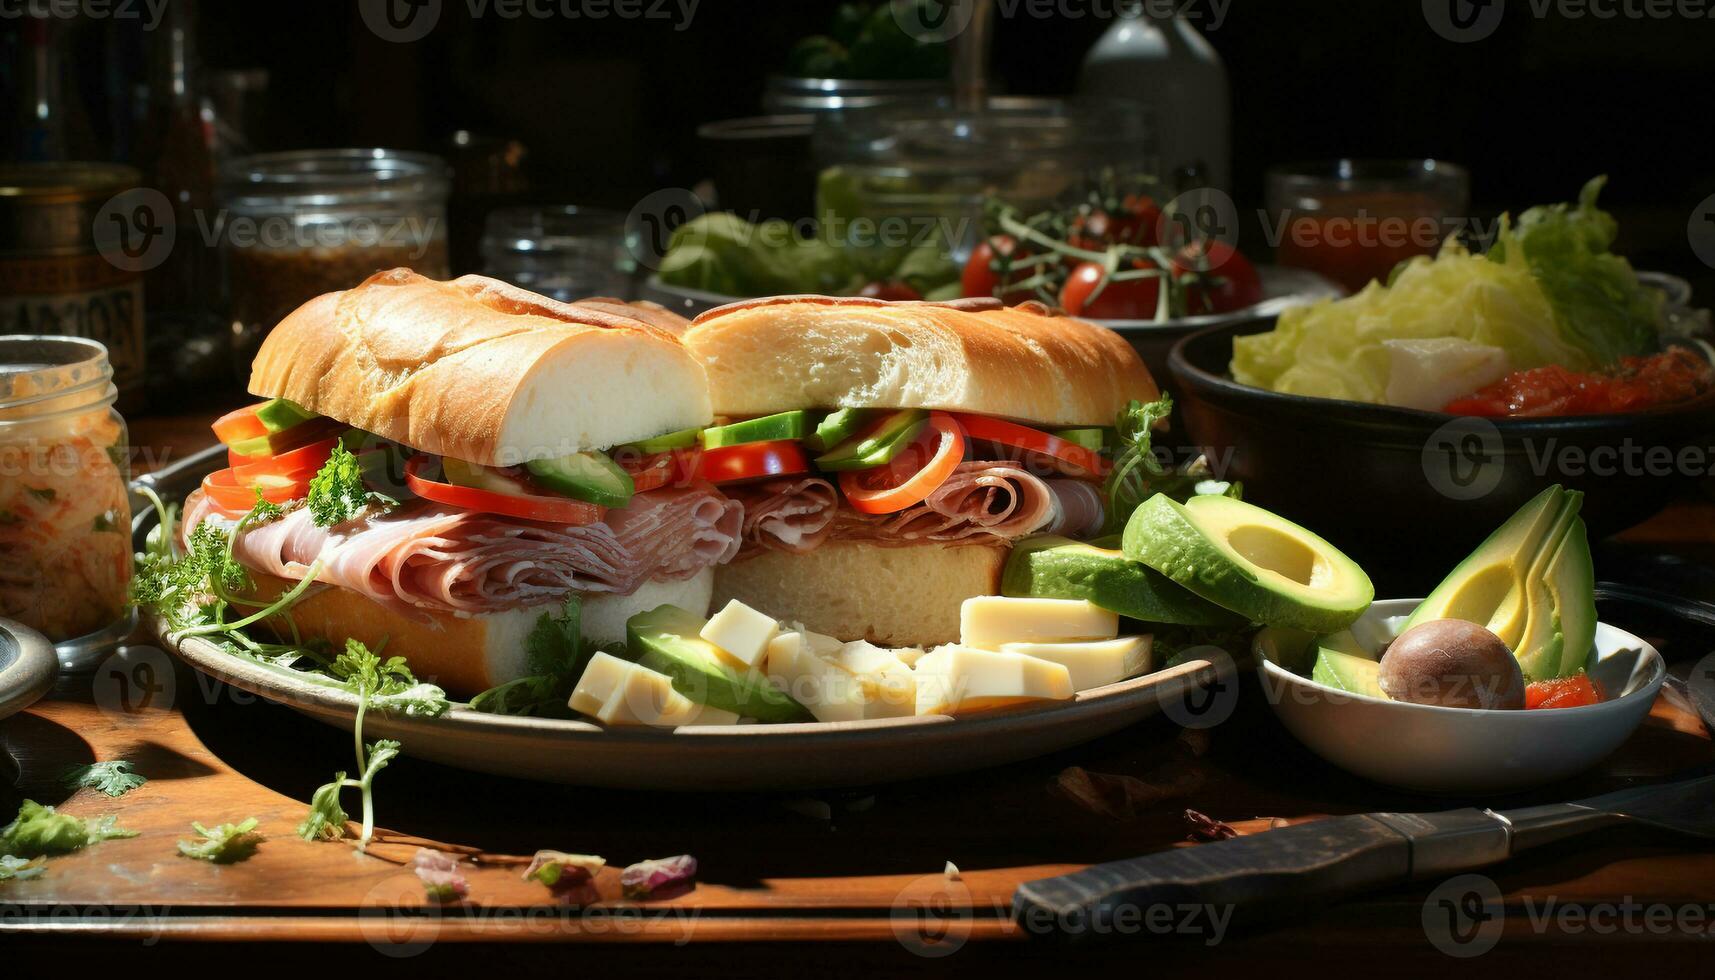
[
  {"x": 959, "y": 679},
  {"x": 618, "y": 692},
  {"x": 908, "y": 655},
  {"x": 1093, "y": 663},
  {"x": 741, "y": 634},
  {"x": 830, "y": 693},
  {"x": 987, "y": 621},
  {"x": 889, "y": 686}
]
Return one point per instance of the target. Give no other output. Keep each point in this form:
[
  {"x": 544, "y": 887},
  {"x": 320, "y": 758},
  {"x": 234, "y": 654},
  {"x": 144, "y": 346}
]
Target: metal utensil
[{"x": 1272, "y": 873}]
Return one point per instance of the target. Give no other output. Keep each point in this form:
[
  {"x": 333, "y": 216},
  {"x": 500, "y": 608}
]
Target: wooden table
[{"x": 840, "y": 883}]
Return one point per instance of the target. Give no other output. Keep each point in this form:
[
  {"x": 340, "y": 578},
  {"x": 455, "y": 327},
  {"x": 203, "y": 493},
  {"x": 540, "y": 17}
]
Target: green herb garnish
[
  {"x": 40, "y": 830},
  {"x": 556, "y": 658},
  {"x": 115, "y": 778},
  {"x": 226, "y": 843},
  {"x": 337, "y": 491}
]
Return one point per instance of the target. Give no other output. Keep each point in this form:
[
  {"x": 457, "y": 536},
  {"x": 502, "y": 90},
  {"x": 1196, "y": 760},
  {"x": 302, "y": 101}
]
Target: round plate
[
  {"x": 1281, "y": 288},
  {"x": 739, "y": 757},
  {"x": 27, "y": 667}
]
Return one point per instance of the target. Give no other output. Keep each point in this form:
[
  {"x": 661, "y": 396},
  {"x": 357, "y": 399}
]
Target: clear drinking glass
[
  {"x": 562, "y": 251},
  {"x": 1354, "y": 220}
]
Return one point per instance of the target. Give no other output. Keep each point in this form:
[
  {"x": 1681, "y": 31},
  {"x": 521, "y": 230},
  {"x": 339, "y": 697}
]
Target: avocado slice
[
  {"x": 768, "y": 428},
  {"x": 879, "y": 445},
  {"x": 1061, "y": 568},
  {"x": 590, "y": 477},
  {"x": 1349, "y": 673},
  {"x": 280, "y": 414},
  {"x": 838, "y": 426},
  {"x": 1095, "y": 440},
  {"x": 1246, "y": 559},
  {"x": 1531, "y": 583},
  {"x": 682, "y": 439},
  {"x": 666, "y": 639}
]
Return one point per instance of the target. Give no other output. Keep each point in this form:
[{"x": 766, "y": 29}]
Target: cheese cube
[
  {"x": 741, "y": 634},
  {"x": 987, "y": 621},
  {"x": 1093, "y": 663},
  {"x": 955, "y": 680},
  {"x": 829, "y": 692},
  {"x": 908, "y": 655},
  {"x": 618, "y": 692},
  {"x": 889, "y": 686}
]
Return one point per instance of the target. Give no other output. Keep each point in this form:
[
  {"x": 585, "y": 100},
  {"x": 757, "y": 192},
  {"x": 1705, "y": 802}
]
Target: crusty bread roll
[
  {"x": 467, "y": 655},
  {"x": 1022, "y": 363},
  {"x": 481, "y": 370},
  {"x": 855, "y": 590}
]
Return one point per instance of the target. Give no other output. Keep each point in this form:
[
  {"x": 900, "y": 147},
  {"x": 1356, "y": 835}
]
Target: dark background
[{"x": 609, "y": 108}]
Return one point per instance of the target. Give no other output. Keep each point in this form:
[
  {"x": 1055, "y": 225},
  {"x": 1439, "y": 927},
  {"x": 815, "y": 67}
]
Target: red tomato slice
[
  {"x": 304, "y": 459},
  {"x": 239, "y": 425},
  {"x": 529, "y": 507},
  {"x": 918, "y": 470},
  {"x": 302, "y": 434},
  {"x": 753, "y": 461},
  {"x": 657, "y": 470},
  {"x": 235, "y": 497},
  {"x": 1066, "y": 457}
]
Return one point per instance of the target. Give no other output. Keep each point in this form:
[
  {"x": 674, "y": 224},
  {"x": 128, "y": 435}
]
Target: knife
[{"x": 1271, "y": 874}]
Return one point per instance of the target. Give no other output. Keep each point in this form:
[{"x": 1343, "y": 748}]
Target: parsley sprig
[
  {"x": 1139, "y": 474},
  {"x": 555, "y": 659},
  {"x": 115, "y": 778},
  {"x": 226, "y": 843},
  {"x": 338, "y": 492}
]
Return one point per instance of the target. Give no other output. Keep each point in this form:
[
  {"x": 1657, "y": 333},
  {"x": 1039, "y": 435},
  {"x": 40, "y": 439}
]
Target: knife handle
[{"x": 1257, "y": 876}]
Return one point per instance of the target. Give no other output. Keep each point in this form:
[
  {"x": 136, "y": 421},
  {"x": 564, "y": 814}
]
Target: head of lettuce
[{"x": 1549, "y": 291}]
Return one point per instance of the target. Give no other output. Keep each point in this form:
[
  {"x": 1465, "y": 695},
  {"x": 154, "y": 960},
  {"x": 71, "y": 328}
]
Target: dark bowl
[{"x": 1409, "y": 492}]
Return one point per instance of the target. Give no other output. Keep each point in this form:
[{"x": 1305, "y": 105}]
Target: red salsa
[
  {"x": 1635, "y": 384},
  {"x": 1562, "y": 692}
]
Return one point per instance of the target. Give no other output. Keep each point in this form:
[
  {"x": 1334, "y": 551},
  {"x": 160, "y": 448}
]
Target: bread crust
[
  {"x": 855, "y": 590},
  {"x": 1027, "y": 362},
  {"x": 481, "y": 370}
]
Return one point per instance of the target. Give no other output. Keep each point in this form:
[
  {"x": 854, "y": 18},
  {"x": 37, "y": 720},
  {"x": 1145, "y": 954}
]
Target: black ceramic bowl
[{"x": 1410, "y": 492}]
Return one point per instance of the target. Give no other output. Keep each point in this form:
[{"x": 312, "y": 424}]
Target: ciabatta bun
[
  {"x": 481, "y": 370},
  {"x": 467, "y": 655},
  {"x": 899, "y": 596},
  {"x": 1024, "y": 363}
]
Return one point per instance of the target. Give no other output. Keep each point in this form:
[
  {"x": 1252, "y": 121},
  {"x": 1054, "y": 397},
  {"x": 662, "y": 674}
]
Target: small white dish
[{"x": 1425, "y": 748}]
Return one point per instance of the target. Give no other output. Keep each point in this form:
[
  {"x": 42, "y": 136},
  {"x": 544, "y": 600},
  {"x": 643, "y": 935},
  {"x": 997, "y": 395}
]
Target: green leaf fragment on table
[
  {"x": 115, "y": 777},
  {"x": 326, "y": 819},
  {"x": 40, "y": 830},
  {"x": 226, "y": 843}
]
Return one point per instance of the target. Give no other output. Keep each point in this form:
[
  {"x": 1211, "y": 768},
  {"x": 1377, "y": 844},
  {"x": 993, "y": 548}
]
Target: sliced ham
[
  {"x": 792, "y": 514},
  {"x": 429, "y": 556},
  {"x": 981, "y": 503}
]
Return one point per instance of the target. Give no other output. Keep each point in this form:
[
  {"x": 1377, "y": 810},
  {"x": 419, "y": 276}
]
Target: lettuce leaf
[{"x": 1548, "y": 292}]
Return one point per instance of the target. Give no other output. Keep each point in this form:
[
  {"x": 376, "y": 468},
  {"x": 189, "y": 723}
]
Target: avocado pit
[{"x": 1453, "y": 664}]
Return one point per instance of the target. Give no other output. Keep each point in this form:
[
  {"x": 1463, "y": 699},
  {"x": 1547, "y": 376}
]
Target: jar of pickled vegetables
[{"x": 65, "y": 517}]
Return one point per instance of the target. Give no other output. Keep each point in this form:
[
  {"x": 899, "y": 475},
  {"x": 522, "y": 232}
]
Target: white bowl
[{"x": 1466, "y": 750}]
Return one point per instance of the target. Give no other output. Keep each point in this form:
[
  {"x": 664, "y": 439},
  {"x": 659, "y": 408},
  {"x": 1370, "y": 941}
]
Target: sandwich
[
  {"x": 888, "y": 455},
  {"x": 448, "y": 462}
]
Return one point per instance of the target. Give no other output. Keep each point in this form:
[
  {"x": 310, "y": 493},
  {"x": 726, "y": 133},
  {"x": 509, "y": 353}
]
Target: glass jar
[
  {"x": 303, "y": 223},
  {"x": 65, "y": 516},
  {"x": 561, "y": 251}
]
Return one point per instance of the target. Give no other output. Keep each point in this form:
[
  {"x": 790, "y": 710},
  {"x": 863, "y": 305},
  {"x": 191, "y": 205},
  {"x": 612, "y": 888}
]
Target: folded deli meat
[
  {"x": 982, "y": 503},
  {"x": 426, "y": 556}
]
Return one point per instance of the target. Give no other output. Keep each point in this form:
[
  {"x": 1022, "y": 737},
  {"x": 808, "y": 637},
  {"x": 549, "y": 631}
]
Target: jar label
[{"x": 77, "y": 296}]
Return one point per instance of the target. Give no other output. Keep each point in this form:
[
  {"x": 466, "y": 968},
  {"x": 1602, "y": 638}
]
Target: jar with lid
[
  {"x": 65, "y": 269},
  {"x": 303, "y": 223},
  {"x": 561, "y": 251},
  {"x": 65, "y": 517}
]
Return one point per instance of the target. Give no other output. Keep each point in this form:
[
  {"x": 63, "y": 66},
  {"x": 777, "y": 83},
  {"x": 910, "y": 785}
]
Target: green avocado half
[
  {"x": 1246, "y": 559},
  {"x": 1532, "y": 584},
  {"x": 1061, "y": 568}
]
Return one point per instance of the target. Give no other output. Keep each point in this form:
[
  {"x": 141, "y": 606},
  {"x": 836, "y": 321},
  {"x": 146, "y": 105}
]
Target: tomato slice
[
  {"x": 653, "y": 471},
  {"x": 1064, "y": 456},
  {"x": 304, "y": 459},
  {"x": 529, "y": 507},
  {"x": 239, "y": 425},
  {"x": 753, "y": 461},
  {"x": 918, "y": 471},
  {"x": 235, "y": 496}
]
